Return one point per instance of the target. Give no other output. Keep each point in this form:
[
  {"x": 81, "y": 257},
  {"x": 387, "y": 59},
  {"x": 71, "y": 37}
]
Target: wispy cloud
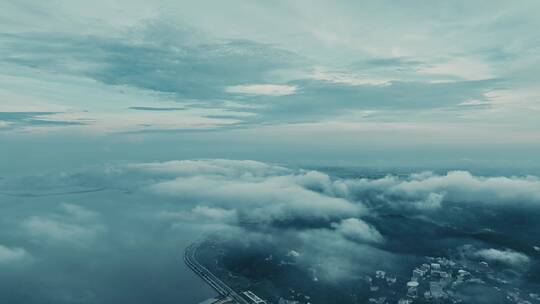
[
  {"x": 467, "y": 69},
  {"x": 155, "y": 109},
  {"x": 507, "y": 256},
  {"x": 10, "y": 255},
  {"x": 262, "y": 89}
]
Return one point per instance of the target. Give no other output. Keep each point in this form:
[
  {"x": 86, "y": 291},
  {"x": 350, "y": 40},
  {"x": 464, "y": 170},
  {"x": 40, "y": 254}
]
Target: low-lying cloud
[
  {"x": 507, "y": 256},
  {"x": 358, "y": 230},
  {"x": 428, "y": 190},
  {"x": 260, "y": 193},
  {"x": 9, "y": 255},
  {"x": 341, "y": 228},
  {"x": 74, "y": 224}
]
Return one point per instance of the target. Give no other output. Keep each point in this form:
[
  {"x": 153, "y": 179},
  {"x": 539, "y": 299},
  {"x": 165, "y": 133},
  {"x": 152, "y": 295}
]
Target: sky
[{"x": 381, "y": 83}]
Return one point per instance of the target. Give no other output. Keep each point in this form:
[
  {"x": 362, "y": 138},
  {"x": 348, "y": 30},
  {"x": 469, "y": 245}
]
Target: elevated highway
[{"x": 190, "y": 258}]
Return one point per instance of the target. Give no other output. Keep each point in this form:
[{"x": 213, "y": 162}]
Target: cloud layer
[
  {"x": 260, "y": 193},
  {"x": 428, "y": 190},
  {"x": 10, "y": 255},
  {"x": 334, "y": 227},
  {"x": 166, "y": 55},
  {"x": 508, "y": 257}
]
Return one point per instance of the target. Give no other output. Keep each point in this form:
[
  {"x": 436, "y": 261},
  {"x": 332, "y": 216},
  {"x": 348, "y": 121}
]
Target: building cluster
[
  {"x": 381, "y": 283},
  {"x": 295, "y": 297},
  {"x": 285, "y": 301},
  {"x": 435, "y": 281},
  {"x": 380, "y": 279},
  {"x": 515, "y": 296},
  {"x": 438, "y": 281}
]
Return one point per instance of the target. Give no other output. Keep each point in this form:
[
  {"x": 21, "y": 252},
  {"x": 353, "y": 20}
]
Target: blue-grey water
[{"x": 108, "y": 246}]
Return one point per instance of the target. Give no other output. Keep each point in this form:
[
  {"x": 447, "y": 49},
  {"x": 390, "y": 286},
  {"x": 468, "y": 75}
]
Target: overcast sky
[{"x": 341, "y": 82}]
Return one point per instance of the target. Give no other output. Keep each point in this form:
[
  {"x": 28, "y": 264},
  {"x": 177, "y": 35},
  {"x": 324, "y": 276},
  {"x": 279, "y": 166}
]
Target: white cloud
[
  {"x": 463, "y": 186},
  {"x": 57, "y": 230},
  {"x": 463, "y": 68},
  {"x": 217, "y": 214},
  {"x": 222, "y": 167},
  {"x": 121, "y": 120},
  {"x": 12, "y": 254},
  {"x": 428, "y": 190},
  {"x": 4, "y": 124},
  {"x": 90, "y": 106},
  {"x": 335, "y": 258},
  {"x": 79, "y": 211},
  {"x": 259, "y": 192},
  {"x": 201, "y": 215},
  {"x": 349, "y": 79},
  {"x": 474, "y": 102},
  {"x": 261, "y": 200},
  {"x": 507, "y": 256},
  {"x": 75, "y": 224},
  {"x": 262, "y": 89},
  {"x": 358, "y": 230},
  {"x": 224, "y": 195}
]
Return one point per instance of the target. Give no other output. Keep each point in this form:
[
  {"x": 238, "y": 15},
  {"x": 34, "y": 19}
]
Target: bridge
[{"x": 218, "y": 285}]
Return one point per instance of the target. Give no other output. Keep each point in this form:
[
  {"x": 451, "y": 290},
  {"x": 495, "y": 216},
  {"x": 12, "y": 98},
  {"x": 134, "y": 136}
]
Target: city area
[{"x": 435, "y": 280}]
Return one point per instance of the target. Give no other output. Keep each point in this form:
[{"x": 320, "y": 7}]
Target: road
[{"x": 223, "y": 289}]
